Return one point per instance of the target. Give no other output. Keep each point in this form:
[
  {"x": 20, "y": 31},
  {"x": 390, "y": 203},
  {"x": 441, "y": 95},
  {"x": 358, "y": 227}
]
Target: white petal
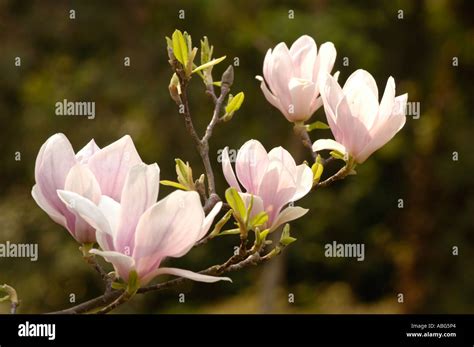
[
  {"x": 329, "y": 144},
  {"x": 171, "y": 227},
  {"x": 86, "y": 152},
  {"x": 303, "y": 93},
  {"x": 209, "y": 219},
  {"x": 86, "y": 209},
  {"x": 111, "y": 210},
  {"x": 331, "y": 94},
  {"x": 304, "y": 181},
  {"x": 325, "y": 61},
  {"x": 111, "y": 164},
  {"x": 140, "y": 191},
  {"x": 303, "y": 54},
  {"x": 361, "y": 78},
  {"x": 251, "y": 163},
  {"x": 288, "y": 214},
  {"x": 82, "y": 181},
  {"x": 388, "y": 99},
  {"x": 122, "y": 263},
  {"x": 44, "y": 204},
  {"x": 186, "y": 274},
  {"x": 282, "y": 155},
  {"x": 228, "y": 171}
]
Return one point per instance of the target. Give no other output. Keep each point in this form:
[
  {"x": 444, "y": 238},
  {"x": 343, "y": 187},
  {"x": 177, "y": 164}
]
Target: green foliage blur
[{"x": 408, "y": 250}]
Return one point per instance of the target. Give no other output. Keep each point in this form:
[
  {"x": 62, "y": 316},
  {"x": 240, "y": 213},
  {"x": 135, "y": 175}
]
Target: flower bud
[
  {"x": 175, "y": 89},
  {"x": 228, "y": 77}
]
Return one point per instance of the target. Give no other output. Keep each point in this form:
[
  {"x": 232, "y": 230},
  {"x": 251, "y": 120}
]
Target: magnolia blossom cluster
[
  {"x": 297, "y": 81},
  {"x": 108, "y": 196}
]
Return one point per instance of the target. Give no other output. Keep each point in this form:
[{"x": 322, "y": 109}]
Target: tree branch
[
  {"x": 202, "y": 145},
  {"x": 341, "y": 174},
  {"x": 113, "y": 299},
  {"x": 301, "y": 131}
]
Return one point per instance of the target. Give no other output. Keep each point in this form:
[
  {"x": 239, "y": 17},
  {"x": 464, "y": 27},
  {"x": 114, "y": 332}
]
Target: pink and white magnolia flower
[
  {"x": 138, "y": 233},
  {"x": 57, "y": 167},
  {"x": 273, "y": 179},
  {"x": 358, "y": 122},
  {"x": 291, "y": 76}
]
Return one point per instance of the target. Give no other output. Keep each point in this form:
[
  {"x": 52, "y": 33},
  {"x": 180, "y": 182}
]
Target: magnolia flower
[
  {"x": 358, "y": 122},
  {"x": 57, "y": 167},
  {"x": 138, "y": 233},
  {"x": 273, "y": 179},
  {"x": 291, "y": 76}
]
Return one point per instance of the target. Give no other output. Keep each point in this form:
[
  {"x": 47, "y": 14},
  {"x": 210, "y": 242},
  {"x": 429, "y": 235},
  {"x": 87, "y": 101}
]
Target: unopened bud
[
  {"x": 175, "y": 89},
  {"x": 228, "y": 76}
]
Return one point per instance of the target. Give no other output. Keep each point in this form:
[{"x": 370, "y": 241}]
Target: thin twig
[
  {"x": 301, "y": 131},
  {"x": 89, "y": 305},
  {"x": 341, "y": 174},
  {"x": 234, "y": 263},
  {"x": 124, "y": 297}
]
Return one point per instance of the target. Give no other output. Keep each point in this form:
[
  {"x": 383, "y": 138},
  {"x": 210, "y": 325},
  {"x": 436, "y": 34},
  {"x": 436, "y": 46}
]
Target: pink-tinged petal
[
  {"x": 360, "y": 78},
  {"x": 399, "y": 105},
  {"x": 55, "y": 159},
  {"x": 303, "y": 54},
  {"x": 228, "y": 171},
  {"x": 267, "y": 65},
  {"x": 272, "y": 99},
  {"x": 257, "y": 205},
  {"x": 282, "y": 155},
  {"x": 183, "y": 273},
  {"x": 111, "y": 210},
  {"x": 111, "y": 164},
  {"x": 82, "y": 181},
  {"x": 316, "y": 103},
  {"x": 302, "y": 92},
  {"x": 209, "y": 219},
  {"x": 328, "y": 144},
  {"x": 140, "y": 191},
  {"x": 355, "y": 134},
  {"x": 363, "y": 105},
  {"x": 169, "y": 228},
  {"x": 276, "y": 189},
  {"x": 44, "y": 204},
  {"x": 331, "y": 93},
  {"x": 282, "y": 72},
  {"x": 325, "y": 61},
  {"x": 288, "y": 214},
  {"x": 251, "y": 163},
  {"x": 122, "y": 263},
  {"x": 387, "y": 102},
  {"x": 304, "y": 181},
  {"x": 86, "y": 152},
  {"x": 385, "y": 132},
  {"x": 86, "y": 209}
]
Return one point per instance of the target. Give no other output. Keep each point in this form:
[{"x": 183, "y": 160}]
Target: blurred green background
[{"x": 408, "y": 250}]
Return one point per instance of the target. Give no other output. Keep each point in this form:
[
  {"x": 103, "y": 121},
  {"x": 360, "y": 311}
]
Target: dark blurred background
[{"x": 408, "y": 250}]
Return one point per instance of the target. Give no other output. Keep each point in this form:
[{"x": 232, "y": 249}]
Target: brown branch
[
  {"x": 113, "y": 298},
  {"x": 301, "y": 131},
  {"x": 124, "y": 297},
  {"x": 89, "y": 305},
  {"x": 341, "y": 174},
  {"x": 202, "y": 144}
]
